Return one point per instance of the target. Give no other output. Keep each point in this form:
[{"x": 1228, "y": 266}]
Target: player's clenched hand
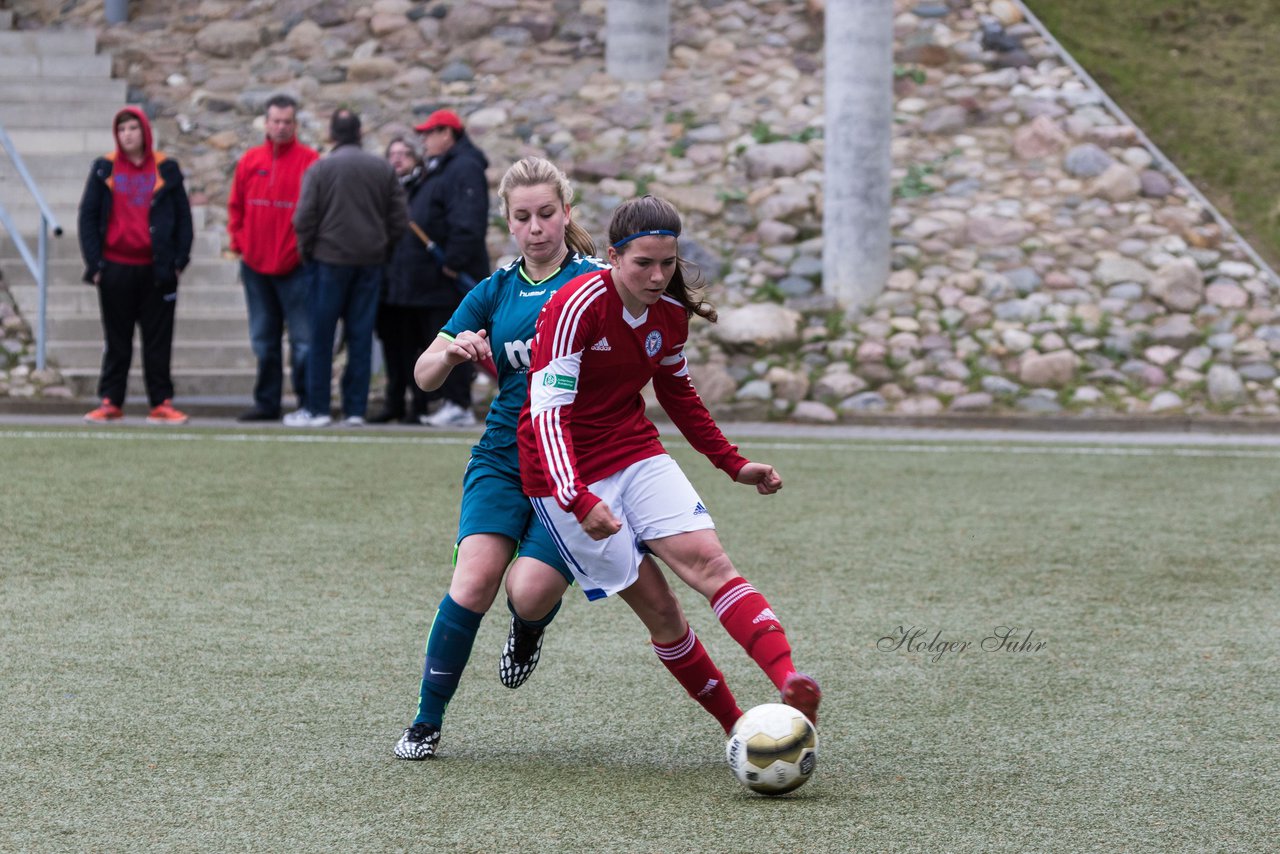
[
  {"x": 762, "y": 477},
  {"x": 600, "y": 522},
  {"x": 469, "y": 347}
]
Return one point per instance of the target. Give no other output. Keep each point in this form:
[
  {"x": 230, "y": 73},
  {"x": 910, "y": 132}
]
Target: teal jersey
[{"x": 506, "y": 305}]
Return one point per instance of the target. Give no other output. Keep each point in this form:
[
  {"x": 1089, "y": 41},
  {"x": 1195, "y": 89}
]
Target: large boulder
[
  {"x": 713, "y": 382},
  {"x": 1179, "y": 285},
  {"x": 760, "y": 326},
  {"x": 1051, "y": 370},
  {"x": 776, "y": 159},
  {"x": 230, "y": 39},
  {"x": 1038, "y": 139}
]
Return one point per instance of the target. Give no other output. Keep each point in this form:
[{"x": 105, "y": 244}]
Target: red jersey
[
  {"x": 584, "y": 417},
  {"x": 264, "y": 193},
  {"x": 129, "y": 229}
]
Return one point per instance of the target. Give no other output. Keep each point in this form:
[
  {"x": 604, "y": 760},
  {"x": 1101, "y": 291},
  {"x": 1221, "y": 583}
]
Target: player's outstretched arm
[
  {"x": 444, "y": 354},
  {"x": 763, "y": 477}
]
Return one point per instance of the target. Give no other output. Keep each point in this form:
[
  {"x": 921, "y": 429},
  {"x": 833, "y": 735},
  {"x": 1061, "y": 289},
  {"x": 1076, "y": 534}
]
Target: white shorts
[{"x": 652, "y": 499}]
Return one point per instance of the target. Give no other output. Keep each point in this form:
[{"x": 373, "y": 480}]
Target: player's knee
[
  {"x": 670, "y": 614},
  {"x": 666, "y": 622},
  {"x": 474, "y": 594},
  {"x": 717, "y": 569},
  {"x": 533, "y": 600}
]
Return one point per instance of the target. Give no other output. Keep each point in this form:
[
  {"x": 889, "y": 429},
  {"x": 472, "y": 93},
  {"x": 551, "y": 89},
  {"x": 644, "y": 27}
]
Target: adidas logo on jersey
[
  {"x": 699, "y": 510},
  {"x": 602, "y": 345},
  {"x": 765, "y": 616}
]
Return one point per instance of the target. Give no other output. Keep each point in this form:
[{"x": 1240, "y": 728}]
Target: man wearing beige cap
[{"x": 452, "y": 211}]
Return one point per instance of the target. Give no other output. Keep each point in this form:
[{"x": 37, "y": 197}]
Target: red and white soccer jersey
[{"x": 584, "y": 418}]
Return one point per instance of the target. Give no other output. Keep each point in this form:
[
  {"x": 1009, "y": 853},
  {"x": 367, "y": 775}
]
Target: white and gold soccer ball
[{"x": 772, "y": 749}]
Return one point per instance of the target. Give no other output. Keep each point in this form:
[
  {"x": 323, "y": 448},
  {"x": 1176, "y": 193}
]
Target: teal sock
[
  {"x": 453, "y": 632},
  {"x": 537, "y": 624}
]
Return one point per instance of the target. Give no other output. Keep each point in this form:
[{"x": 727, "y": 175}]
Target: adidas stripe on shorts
[{"x": 652, "y": 499}]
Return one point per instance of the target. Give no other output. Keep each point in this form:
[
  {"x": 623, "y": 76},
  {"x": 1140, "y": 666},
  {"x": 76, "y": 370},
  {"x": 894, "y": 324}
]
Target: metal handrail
[{"x": 38, "y": 265}]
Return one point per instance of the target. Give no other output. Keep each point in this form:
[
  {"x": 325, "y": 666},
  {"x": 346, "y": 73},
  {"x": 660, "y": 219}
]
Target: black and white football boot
[
  {"x": 418, "y": 742},
  {"x": 521, "y": 653}
]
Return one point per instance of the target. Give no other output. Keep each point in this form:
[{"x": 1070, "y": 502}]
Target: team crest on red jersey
[{"x": 653, "y": 343}]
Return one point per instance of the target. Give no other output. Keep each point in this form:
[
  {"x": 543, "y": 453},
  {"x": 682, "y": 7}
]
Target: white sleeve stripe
[
  {"x": 548, "y": 451},
  {"x": 556, "y": 454},
  {"x": 673, "y": 359},
  {"x": 569, "y": 491},
  {"x": 567, "y": 326},
  {"x": 544, "y": 395},
  {"x": 558, "y": 458},
  {"x": 546, "y": 412}
]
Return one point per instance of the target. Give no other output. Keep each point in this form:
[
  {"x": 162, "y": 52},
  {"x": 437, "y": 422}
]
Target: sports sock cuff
[
  {"x": 679, "y": 649},
  {"x": 733, "y": 591},
  {"x": 458, "y": 615},
  {"x": 536, "y": 624}
]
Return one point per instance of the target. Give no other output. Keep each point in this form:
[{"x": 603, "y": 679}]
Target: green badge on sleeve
[{"x": 560, "y": 381}]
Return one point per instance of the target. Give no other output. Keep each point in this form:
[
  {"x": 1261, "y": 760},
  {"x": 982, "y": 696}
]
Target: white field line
[
  {"x": 818, "y": 446},
  {"x": 1060, "y": 450},
  {"x": 287, "y": 438}
]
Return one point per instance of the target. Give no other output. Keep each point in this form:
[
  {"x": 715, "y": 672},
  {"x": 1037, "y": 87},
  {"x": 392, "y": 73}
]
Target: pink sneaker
[
  {"x": 108, "y": 411},
  {"x": 802, "y": 693},
  {"x": 166, "y": 414}
]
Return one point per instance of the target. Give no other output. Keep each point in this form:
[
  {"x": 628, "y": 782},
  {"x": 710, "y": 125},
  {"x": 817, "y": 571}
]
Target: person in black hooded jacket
[
  {"x": 404, "y": 310},
  {"x": 451, "y": 212},
  {"x": 135, "y": 236}
]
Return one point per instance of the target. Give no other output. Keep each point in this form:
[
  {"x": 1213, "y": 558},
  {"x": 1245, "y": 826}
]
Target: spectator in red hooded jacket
[
  {"x": 135, "y": 236},
  {"x": 264, "y": 193}
]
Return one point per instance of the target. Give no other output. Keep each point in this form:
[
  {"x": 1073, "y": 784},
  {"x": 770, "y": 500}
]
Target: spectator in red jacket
[{"x": 264, "y": 193}]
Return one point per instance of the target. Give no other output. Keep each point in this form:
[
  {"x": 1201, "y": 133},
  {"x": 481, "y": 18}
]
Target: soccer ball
[{"x": 772, "y": 749}]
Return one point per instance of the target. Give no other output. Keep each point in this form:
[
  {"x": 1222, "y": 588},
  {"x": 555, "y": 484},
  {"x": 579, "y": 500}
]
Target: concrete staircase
[{"x": 57, "y": 99}]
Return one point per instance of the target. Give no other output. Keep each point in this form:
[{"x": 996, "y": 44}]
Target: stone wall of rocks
[{"x": 1043, "y": 260}]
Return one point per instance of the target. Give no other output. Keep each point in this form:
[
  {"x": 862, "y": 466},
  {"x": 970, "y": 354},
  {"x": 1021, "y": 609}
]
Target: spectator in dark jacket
[
  {"x": 135, "y": 236},
  {"x": 350, "y": 216},
  {"x": 404, "y": 314},
  {"x": 452, "y": 210}
]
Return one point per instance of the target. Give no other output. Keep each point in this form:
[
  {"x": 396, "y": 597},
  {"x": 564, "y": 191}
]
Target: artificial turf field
[{"x": 210, "y": 641}]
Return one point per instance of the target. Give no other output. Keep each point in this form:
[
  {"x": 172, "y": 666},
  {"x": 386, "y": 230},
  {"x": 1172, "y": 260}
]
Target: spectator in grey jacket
[{"x": 351, "y": 214}]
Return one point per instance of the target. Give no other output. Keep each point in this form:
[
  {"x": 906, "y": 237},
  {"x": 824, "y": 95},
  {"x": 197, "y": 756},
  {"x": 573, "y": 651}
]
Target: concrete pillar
[
  {"x": 637, "y": 38},
  {"x": 117, "y": 11},
  {"x": 859, "y": 126}
]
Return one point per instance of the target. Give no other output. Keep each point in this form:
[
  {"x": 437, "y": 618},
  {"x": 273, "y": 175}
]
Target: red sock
[
  {"x": 749, "y": 620},
  {"x": 688, "y": 661}
]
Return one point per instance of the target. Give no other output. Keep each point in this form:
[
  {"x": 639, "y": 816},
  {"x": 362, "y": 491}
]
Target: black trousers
[
  {"x": 129, "y": 296},
  {"x": 404, "y": 332}
]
